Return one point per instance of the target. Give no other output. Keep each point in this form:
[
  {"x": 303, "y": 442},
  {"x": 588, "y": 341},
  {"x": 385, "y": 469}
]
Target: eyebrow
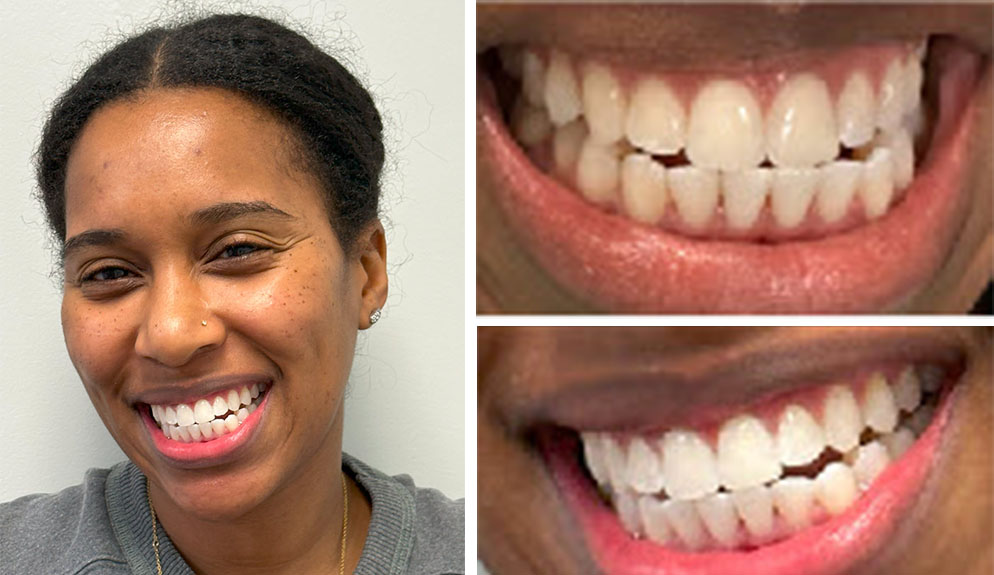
[{"x": 210, "y": 215}]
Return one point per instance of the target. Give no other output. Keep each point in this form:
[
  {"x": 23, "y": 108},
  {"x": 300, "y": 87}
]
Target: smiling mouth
[
  {"x": 828, "y": 180},
  {"x": 210, "y": 417}
]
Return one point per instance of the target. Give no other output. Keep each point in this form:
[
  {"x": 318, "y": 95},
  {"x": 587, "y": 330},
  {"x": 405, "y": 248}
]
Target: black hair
[{"x": 330, "y": 115}]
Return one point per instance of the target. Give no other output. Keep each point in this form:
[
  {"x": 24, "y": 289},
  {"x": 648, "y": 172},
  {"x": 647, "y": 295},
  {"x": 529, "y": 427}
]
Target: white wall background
[{"x": 405, "y": 412}]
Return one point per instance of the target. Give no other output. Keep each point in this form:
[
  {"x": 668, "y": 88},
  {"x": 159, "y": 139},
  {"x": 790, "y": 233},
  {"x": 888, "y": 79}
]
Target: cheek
[{"x": 98, "y": 340}]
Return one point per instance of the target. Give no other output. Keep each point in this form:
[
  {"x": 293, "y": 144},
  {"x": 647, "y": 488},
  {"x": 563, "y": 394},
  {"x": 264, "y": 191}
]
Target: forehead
[{"x": 171, "y": 152}]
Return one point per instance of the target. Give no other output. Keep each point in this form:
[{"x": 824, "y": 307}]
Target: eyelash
[{"x": 255, "y": 249}]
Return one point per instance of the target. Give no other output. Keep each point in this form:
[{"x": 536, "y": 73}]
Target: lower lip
[
  {"x": 618, "y": 265},
  {"x": 831, "y": 548},
  {"x": 206, "y": 453}
]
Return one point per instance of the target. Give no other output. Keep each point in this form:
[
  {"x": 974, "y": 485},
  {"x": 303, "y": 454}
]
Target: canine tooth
[
  {"x": 603, "y": 104},
  {"x": 835, "y": 487},
  {"x": 254, "y": 390},
  {"x": 562, "y": 92},
  {"x": 654, "y": 521},
  {"x": 755, "y": 507},
  {"x": 695, "y": 192},
  {"x": 183, "y": 431},
  {"x": 794, "y": 499},
  {"x": 593, "y": 453},
  {"x": 566, "y": 144},
  {"x": 837, "y": 187},
  {"x": 231, "y": 422},
  {"x": 169, "y": 415},
  {"x": 194, "y": 432},
  {"x": 218, "y": 427},
  {"x": 931, "y": 377},
  {"x": 871, "y": 460},
  {"x": 597, "y": 171},
  {"x": 220, "y": 406},
  {"x": 643, "y": 188},
  {"x": 626, "y": 504},
  {"x": 533, "y": 79},
  {"x": 799, "y": 437},
  {"x": 744, "y": 195},
  {"x": 202, "y": 411},
  {"x": 682, "y": 516},
  {"x": 898, "y": 442},
  {"x": 656, "y": 121},
  {"x": 184, "y": 415},
  {"x": 244, "y": 397},
  {"x": 644, "y": 474},
  {"x": 890, "y": 101},
  {"x": 800, "y": 125},
  {"x": 841, "y": 419},
  {"x": 879, "y": 410},
  {"x": 689, "y": 469},
  {"x": 791, "y": 194},
  {"x": 920, "y": 419},
  {"x": 530, "y": 124},
  {"x": 511, "y": 60},
  {"x": 877, "y": 185},
  {"x": 717, "y": 512},
  {"x": 907, "y": 390},
  {"x": 903, "y": 156},
  {"x": 234, "y": 402},
  {"x": 617, "y": 465},
  {"x": 206, "y": 430},
  {"x": 747, "y": 455},
  {"x": 725, "y": 129},
  {"x": 856, "y": 111}
]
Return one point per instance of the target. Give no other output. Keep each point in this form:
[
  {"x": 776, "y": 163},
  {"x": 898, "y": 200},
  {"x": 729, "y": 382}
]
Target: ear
[{"x": 371, "y": 247}]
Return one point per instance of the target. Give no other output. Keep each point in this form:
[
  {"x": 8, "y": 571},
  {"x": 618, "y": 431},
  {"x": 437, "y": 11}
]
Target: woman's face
[
  {"x": 708, "y": 159},
  {"x": 206, "y": 294},
  {"x": 770, "y": 451}
]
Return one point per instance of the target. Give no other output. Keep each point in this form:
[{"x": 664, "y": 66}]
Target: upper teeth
[
  {"x": 653, "y": 478},
  {"x": 208, "y": 417},
  {"x": 605, "y": 132}
]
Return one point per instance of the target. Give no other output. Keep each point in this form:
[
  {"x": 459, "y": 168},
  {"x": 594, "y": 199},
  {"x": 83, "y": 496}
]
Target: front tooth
[
  {"x": 184, "y": 415},
  {"x": 656, "y": 121},
  {"x": 837, "y": 188},
  {"x": 841, "y": 420},
  {"x": 744, "y": 195},
  {"x": 533, "y": 79},
  {"x": 644, "y": 474},
  {"x": 617, "y": 465},
  {"x": 800, "y": 125},
  {"x": 799, "y": 437},
  {"x": 907, "y": 390},
  {"x": 725, "y": 130},
  {"x": 627, "y": 506},
  {"x": 593, "y": 452},
  {"x": 202, "y": 411},
  {"x": 682, "y": 516},
  {"x": 755, "y": 507},
  {"x": 597, "y": 171},
  {"x": 530, "y": 124},
  {"x": 643, "y": 188},
  {"x": 689, "y": 469},
  {"x": 717, "y": 512},
  {"x": 220, "y": 406},
  {"x": 654, "y": 522},
  {"x": 898, "y": 442},
  {"x": 871, "y": 460},
  {"x": 903, "y": 156},
  {"x": 603, "y": 104},
  {"x": 747, "y": 456},
  {"x": 234, "y": 402},
  {"x": 879, "y": 410},
  {"x": 877, "y": 186},
  {"x": 856, "y": 111},
  {"x": 794, "y": 498},
  {"x": 170, "y": 415},
  {"x": 890, "y": 102},
  {"x": 566, "y": 144},
  {"x": 695, "y": 192},
  {"x": 791, "y": 194},
  {"x": 562, "y": 92},
  {"x": 835, "y": 487}
]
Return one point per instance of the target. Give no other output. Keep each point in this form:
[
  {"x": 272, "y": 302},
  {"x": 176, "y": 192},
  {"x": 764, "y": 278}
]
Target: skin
[
  {"x": 509, "y": 280},
  {"x": 525, "y": 526},
  {"x": 281, "y": 298}
]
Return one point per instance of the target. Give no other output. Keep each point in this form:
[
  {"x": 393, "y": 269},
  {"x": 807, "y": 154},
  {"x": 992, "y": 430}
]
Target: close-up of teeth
[
  {"x": 721, "y": 156},
  {"x": 208, "y": 418},
  {"x": 758, "y": 480}
]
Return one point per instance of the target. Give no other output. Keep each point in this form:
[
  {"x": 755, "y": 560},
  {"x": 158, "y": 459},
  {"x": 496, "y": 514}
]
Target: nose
[{"x": 178, "y": 324}]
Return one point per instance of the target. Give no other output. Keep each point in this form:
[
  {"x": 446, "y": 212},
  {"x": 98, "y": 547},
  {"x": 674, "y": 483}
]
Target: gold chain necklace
[{"x": 345, "y": 527}]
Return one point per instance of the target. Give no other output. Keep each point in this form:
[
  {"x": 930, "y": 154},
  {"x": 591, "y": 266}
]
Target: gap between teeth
[
  {"x": 722, "y": 162},
  {"x": 754, "y": 486},
  {"x": 208, "y": 419}
]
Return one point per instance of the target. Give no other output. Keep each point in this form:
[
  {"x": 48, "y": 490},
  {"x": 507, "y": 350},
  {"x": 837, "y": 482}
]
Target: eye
[
  {"x": 106, "y": 274},
  {"x": 239, "y": 250}
]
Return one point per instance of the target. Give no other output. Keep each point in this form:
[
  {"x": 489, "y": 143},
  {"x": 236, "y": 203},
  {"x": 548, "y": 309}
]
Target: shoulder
[{"x": 68, "y": 532}]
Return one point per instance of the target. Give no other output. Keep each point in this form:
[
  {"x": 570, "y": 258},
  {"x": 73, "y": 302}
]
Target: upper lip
[
  {"x": 188, "y": 391},
  {"x": 631, "y": 384}
]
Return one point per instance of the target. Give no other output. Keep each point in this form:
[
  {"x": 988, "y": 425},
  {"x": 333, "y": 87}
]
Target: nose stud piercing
[
  {"x": 374, "y": 316},
  {"x": 204, "y": 323}
]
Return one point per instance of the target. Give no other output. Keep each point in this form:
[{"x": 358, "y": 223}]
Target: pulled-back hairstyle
[{"x": 331, "y": 117}]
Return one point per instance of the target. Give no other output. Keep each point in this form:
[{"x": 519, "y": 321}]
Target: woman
[
  {"x": 753, "y": 451},
  {"x": 733, "y": 159},
  {"x": 214, "y": 188}
]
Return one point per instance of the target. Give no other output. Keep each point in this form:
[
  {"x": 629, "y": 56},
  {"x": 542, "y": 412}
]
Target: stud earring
[{"x": 374, "y": 316}]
